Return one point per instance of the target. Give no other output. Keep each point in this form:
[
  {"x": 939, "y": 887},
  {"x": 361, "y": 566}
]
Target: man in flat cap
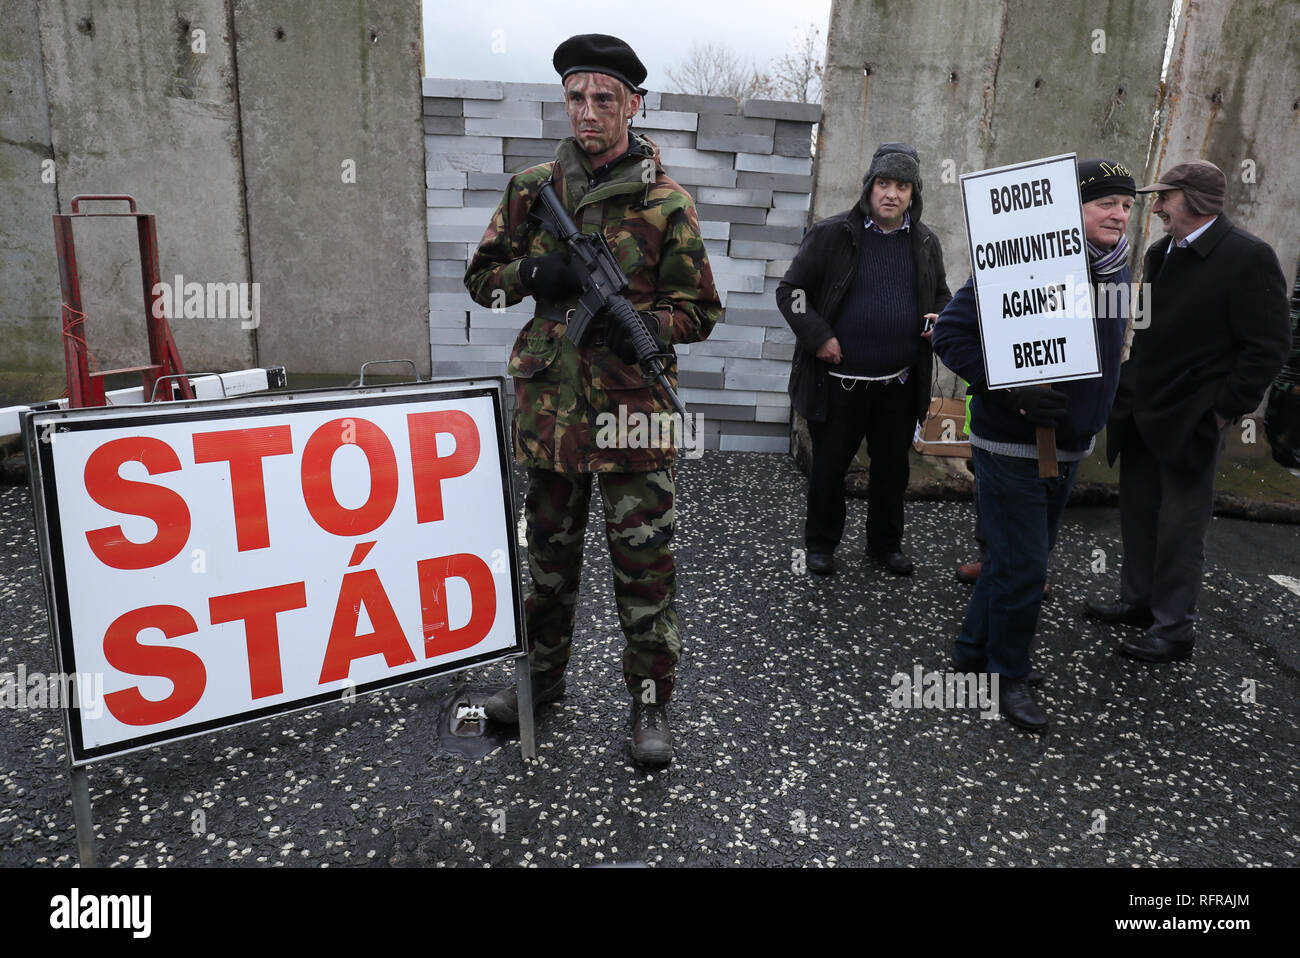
[
  {"x": 858, "y": 295},
  {"x": 1217, "y": 336},
  {"x": 609, "y": 179}
]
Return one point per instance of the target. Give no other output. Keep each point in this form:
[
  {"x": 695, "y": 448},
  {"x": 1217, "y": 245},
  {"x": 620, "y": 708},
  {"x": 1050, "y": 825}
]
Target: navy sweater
[
  {"x": 956, "y": 340},
  {"x": 878, "y": 325}
]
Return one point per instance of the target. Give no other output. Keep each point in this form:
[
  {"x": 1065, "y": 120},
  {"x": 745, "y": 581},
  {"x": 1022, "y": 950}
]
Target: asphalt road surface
[{"x": 788, "y": 749}]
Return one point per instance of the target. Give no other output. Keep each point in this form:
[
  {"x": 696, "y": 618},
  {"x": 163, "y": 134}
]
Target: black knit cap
[
  {"x": 600, "y": 53},
  {"x": 1098, "y": 178}
]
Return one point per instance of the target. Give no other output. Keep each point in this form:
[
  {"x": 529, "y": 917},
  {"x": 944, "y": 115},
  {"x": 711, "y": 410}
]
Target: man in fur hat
[{"x": 858, "y": 296}]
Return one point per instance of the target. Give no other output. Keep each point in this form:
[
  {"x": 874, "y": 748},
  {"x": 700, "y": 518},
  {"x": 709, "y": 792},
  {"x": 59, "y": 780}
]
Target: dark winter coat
[
  {"x": 823, "y": 271},
  {"x": 956, "y": 340},
  {"x": 1219, "y": 333}
]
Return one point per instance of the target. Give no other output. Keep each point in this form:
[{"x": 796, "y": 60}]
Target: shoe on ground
[
  {"x": 1150, "y": 648},
  {"x": 1034, "y": 677},
  {"x": 896, "y": 562},
  {"x": 503, "y": 706},
  {"x": 821, "y": 563},
  {"x": 1119, "y": 613},
  {"x": 970, "y": 573},
  {"x": 651, "y": 741},
  {"x": 1017, "y": 703}
]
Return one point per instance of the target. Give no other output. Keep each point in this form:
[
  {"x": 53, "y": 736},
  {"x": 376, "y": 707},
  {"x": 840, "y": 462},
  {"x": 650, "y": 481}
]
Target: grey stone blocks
[{"x": 748, "y": 168}]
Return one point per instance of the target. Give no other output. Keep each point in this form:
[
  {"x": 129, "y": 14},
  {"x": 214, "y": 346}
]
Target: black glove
[
  {"x": 549, "y": 277},
  {"x": 1042, "y": 407},
  {"x": 619, "y": 338}
]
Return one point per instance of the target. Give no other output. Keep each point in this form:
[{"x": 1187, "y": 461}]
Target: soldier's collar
[{"x": 601, "y": 173}]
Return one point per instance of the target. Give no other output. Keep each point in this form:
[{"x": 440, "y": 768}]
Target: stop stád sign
[{"x": 211, "y": 563}]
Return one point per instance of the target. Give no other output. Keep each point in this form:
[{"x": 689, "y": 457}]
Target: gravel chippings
[{"x": 788, "y": 750}]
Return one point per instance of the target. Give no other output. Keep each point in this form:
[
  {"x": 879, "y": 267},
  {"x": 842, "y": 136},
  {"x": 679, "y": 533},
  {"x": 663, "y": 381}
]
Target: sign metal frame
[{"x": 41, "y": 426}]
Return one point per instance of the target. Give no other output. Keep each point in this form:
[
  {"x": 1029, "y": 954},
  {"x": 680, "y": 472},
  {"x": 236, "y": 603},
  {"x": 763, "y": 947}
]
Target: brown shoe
[{"x": 970, "y": 573}]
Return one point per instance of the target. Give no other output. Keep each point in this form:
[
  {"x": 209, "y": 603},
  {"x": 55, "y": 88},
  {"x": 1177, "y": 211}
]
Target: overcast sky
[{"x": 513, "y": 39}]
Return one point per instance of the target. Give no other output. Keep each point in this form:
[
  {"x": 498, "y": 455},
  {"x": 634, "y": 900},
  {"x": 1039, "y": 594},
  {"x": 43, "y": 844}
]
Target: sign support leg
[
  {"x": 81, "y": 814},
  {"x": 524, "y": 686}
]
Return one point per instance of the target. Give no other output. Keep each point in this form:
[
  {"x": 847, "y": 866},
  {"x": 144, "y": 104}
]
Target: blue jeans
[{"x": 1020, "y": 514}]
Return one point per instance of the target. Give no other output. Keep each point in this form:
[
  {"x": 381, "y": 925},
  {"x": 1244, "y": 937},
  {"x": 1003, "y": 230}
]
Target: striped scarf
[{"x": 1104, "y": 262}]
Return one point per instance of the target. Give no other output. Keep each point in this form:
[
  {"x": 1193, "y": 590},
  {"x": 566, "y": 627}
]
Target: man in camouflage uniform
[{"x": 610, "y": 180}]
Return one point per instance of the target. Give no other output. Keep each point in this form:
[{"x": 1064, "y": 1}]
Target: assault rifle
[{"x": 603, "y": 285}]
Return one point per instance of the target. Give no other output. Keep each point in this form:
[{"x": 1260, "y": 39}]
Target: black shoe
[
  {"x": 503, "y": 706},
  {"x": 651, "y": 742},
  {"x": 1119, "y": 613},
  {"x": 1034, "y": 677},
  {"x": 1149, "y": 648},
  {"x": 1016, "y": 701},
  {"x": 821, "y": 562},
  {"x": 896, "y": 562}
]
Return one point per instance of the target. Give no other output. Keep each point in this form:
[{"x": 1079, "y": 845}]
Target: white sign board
[
  {"x": 1030, "y": 267},
  {"x": 216, "y": 562}
]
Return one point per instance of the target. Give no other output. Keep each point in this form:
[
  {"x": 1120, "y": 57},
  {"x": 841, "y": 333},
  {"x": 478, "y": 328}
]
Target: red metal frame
[{"x": 86, "y": 388}]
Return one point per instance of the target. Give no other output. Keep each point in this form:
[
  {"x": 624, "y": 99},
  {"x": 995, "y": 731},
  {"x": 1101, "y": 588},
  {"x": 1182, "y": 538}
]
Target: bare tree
[
  {"x": 797, "y": 75},
  {"x": 713, "y": 69}
]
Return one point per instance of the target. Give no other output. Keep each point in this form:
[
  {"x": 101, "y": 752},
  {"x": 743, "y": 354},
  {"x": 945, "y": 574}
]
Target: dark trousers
[
  {"x": 1024, "y": 513},
  {"x": 1164, "y": 515},
  {"x": 979, "y": 523},
  {"x": 885, "y": 414}
]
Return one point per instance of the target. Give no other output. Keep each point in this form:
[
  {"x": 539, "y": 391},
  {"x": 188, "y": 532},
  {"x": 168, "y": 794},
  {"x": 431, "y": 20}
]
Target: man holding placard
[
  {"x": 1027, "y": 316},
  {"x": 1219, "y": 333}
]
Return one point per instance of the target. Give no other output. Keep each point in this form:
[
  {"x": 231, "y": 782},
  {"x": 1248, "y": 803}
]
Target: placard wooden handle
[{"x": 1047, "y": 466}]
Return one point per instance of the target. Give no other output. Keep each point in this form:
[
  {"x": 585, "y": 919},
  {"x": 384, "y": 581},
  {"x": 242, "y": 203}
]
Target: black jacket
[
  {"x": 957, "y": 342},
  {"x": 1219, "y": 332},
  {"x": 822, "y": 272}
]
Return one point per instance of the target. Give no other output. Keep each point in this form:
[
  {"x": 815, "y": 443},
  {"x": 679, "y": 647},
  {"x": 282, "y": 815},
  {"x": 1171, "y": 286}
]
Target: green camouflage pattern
[
  {"x": 560, "y": 391},
  {"x": 639, "y": 517}
]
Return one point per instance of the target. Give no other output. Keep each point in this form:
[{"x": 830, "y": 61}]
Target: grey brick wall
[{"x": 748, "y": 167}]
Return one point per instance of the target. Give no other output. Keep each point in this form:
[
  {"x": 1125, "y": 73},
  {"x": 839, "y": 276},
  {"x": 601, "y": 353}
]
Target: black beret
[{"x": 600, "y": 53}]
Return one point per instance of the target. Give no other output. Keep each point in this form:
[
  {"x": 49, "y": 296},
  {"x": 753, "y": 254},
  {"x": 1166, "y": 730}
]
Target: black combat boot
[
  {"x": 503, "y": 706},
  {"x": 651, "y": 742}
]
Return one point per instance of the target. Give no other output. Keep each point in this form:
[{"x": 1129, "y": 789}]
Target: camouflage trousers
[{"x": 639, "y": 517}]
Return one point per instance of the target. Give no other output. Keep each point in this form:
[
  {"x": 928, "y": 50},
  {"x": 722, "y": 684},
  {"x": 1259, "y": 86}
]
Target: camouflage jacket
[{"x": 568, "y": 400}]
